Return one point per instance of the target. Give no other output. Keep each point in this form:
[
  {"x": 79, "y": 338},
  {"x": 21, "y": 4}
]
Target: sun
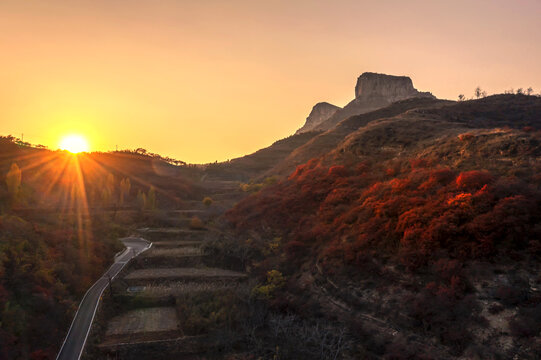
[{"x": 74, "y": 143}]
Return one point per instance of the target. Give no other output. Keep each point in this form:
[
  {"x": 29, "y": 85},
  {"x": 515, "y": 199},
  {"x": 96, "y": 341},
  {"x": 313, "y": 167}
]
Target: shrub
[
  {"x": 275, "y": 280},
  {"x": 527, "y": 323},
  {"x": 473, "y": 180},
  {"x": 207, "y": 201},
  {"x": 338, "y": 171},
  {"x": 510, "y": 295},
  {"x": 196, "y": 223},
  {"x": 466, "y": 137},
  {"x": 495, "y": 309}
]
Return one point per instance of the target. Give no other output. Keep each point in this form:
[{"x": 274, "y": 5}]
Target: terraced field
[
  {"x": 184, "y": 274},
  {"x": 144, "y": 320}
]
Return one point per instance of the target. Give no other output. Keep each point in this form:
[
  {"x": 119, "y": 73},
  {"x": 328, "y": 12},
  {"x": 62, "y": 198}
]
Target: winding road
[{"x": 75, "y": 341}]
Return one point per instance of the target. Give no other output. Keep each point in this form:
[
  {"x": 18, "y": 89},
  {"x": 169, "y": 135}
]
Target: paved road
[{"x": 74, "y": 343}]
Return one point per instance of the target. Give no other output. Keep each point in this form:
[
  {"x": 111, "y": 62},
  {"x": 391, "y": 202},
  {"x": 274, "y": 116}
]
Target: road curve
[{"x": 75, "y": 341}]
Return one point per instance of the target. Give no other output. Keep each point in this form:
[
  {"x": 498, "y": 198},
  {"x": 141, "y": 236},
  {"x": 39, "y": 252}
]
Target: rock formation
[
  {"x": 320, "y": 112},
  {"x": 372, "y": 92},
  {"x": 391, "y": 88}
]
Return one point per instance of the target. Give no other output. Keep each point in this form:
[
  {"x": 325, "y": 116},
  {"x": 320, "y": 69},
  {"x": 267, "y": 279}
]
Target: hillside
[
  {"x": 326, "y": 141},
  {"x": 411, "y": 231},
  {"x": 260, "y": 162},
  {"x": 416, "y": 229},
  {"x": 376, "y": 96},
  {"x": 61, "y": 216}
]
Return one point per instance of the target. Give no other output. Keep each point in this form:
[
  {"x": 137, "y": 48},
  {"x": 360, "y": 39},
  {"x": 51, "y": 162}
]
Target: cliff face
[
  {"x": 393, "y": 88},
  {"x": 372, "y": 92},
  {"x": 320, "y": 112}
]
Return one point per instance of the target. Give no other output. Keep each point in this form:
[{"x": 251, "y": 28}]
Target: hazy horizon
[{"x": 210, "y": 81}]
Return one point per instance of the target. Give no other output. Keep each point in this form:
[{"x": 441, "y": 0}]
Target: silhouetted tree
[
  {"x": 529, "y": 91},
  {"x": 461, "y": 97},
  {"x": 478, "y": 92}
]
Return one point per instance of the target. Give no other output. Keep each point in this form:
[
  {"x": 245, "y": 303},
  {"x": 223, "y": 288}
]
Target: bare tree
[
  {"x": 520, "y": 91},
  {"x": 529, "y": 91},
  {"x": 478, "y": 92},
  {"x": 461, "y": 97}
]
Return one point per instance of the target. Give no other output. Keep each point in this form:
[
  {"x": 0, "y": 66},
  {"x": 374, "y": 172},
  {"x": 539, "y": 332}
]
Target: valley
[{"x": 405, "y": 228}]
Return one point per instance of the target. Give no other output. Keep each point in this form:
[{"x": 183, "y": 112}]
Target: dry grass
[
  {"x": 184, "y": 273},
  {"x": 144, "y": 320},
  {"x": 181, "y": 288},
  {"x": 174, "y": 252},
  {"x": 175, "y": 243}
]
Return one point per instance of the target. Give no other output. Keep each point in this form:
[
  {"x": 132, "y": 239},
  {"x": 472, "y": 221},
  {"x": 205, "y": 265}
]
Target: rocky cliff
[
  {"x": 392, "y": 88},
  {"x": 372, "y": 92},
  {"x": 320, "y": 113}
]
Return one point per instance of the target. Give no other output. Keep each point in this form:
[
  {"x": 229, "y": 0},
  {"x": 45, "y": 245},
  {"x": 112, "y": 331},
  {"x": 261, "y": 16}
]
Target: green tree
[
  {"x": 151, "y": 198},
  {"x": 141, "y": 200},
  {"x": 13, "y": 181},
  {"x": 125, "y": 187},
  {"x": 106, "y": 196},
  {"x": 275, "y": 281}
]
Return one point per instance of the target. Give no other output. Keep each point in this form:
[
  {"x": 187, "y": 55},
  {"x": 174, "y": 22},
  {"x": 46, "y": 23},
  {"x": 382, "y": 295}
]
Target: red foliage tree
[{"x": 473, "y": 180}]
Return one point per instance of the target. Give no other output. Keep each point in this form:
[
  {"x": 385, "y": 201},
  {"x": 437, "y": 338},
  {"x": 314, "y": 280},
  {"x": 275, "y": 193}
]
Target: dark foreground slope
[
  {"x": 59, "y": 230},
  {"x": 418, "y": 232}
]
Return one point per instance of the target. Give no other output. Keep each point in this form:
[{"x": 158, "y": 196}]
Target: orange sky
[{"x": 212, "y": 80}]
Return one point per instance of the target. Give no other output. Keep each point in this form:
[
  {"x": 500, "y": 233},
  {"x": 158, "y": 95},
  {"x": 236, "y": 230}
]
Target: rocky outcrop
[
  {"x": 391, "y": 88},
  {"x": 372, "y": 92},
  {"x": 320, "y": 113}
]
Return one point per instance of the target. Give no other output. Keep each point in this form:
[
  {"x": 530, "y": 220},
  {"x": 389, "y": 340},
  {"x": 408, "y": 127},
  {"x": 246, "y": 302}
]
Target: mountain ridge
[{"x": 373, "y": 91}]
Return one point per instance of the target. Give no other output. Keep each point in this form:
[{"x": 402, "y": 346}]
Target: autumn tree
[
  {"x": 207, "y": 201},
  {"x": 196, "y": 223}
]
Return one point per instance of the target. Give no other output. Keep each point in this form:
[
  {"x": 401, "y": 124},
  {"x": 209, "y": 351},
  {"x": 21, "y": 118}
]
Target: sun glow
[{"x": 74, "y": 144}]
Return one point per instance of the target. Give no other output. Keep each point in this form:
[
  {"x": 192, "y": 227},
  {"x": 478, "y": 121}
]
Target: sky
[{"x": 206, "y": 80}]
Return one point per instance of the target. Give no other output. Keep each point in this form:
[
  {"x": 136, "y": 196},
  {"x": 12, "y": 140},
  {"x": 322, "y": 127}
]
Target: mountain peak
[
  {"x": 391, "y": 87},
  {"x": 321, "y": 112},
  {"x": 373, "y": 91}
]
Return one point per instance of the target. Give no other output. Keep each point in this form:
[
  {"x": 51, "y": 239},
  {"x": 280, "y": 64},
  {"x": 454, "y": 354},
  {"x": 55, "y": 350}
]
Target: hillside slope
[
  {"x": 326, "y": 141},
  {"x": 260, "y": 162},
  {"x": 419, "y": 231}
]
